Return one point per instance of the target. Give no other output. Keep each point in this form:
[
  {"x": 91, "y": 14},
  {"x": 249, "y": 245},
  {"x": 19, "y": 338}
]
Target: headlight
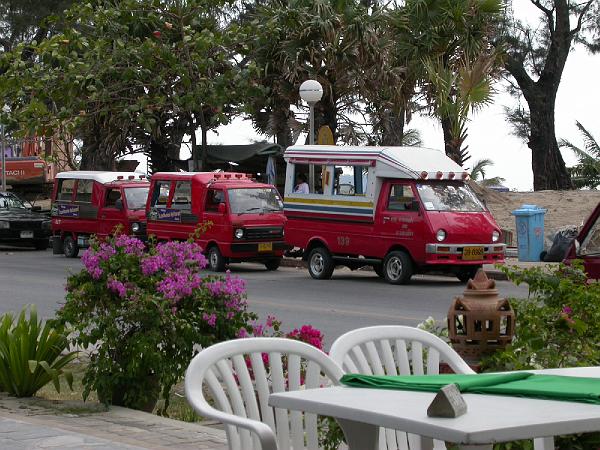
[
  {"x": 440, "y": 235},
  {"x": 239, "y": 233},
  {"x": 135, "y": 227},
  {"x": 495, "y": 236},
  {"x": 4, "y": 225}
]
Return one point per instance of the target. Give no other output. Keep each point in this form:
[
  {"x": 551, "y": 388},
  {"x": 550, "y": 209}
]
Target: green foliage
[
  {"x": 558, "y": 325},
  {"x": 587, "y": 172},
  {"x": 143, "y": 314},
  {"x": 32, "y": 354}
]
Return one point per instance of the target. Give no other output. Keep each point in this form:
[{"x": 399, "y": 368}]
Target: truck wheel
[
  {"x": 216, "y": 261},
  {"x": 41, "y": 244},
  {"x": 70, "y": 247},
  {"x": 320, "y": 264},
  {"x": 273, "y": 264},
  {"x": 397, "y": 267},
  {"x": 466, "y": 273}
]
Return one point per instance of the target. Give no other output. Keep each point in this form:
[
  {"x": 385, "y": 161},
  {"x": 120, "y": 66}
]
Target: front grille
[
  {"x": 25, "y": 225},
  {"x": 263, "y": 233}
]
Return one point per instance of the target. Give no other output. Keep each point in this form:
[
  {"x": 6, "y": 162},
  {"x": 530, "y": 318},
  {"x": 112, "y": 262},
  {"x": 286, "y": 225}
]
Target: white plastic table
[{"x": 489, "y": 418}]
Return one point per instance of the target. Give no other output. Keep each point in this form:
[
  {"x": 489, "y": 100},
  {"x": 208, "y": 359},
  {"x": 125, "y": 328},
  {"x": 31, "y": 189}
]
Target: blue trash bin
[{"x": 530, "y": 232}]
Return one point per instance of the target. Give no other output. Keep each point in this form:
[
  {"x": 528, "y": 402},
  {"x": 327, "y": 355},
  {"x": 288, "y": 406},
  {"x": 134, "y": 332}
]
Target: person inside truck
[
  {"x": 111, "y": 198},
  {"x": 301, "y": 185}
]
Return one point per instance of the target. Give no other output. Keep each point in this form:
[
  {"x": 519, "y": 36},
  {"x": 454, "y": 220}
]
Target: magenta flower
[{"x": 117, "y": 287}]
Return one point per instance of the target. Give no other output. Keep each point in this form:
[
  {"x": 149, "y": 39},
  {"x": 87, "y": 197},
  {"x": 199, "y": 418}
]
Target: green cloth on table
[{"x": 517, "y": 384}]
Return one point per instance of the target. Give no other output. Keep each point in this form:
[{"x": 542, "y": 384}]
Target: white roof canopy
[
  {"x": 392, "y": 162},
  {"x": 98, "y": 175}
]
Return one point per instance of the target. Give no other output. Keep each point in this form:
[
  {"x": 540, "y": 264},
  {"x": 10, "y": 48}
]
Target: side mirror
[
  {"x": 119, "y": 204},
  {"x": 222, "y": 209},
  {"x": 36, "y": 208}
]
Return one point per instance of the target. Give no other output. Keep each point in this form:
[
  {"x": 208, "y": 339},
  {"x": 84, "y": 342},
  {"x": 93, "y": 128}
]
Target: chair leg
[{"x": 545, "y": 443}]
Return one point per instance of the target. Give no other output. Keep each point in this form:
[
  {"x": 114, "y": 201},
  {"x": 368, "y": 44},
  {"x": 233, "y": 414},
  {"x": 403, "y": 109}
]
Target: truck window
[
  {"x": 401, "y": 198},
  {"x": 213, "y": 198},
  {"x": 65, "y": 189},
  {"x": 160, "y": 195},
  {"x": 112, "y": 195},
  {"x": 350, "y": 180},
  {"x": 136, "y": 197},
  {"x": 591, "y": 242},
  {"x": 84, "y": 191},
  {"x": 448, "y": 196},
  {"x": 182, "y": 197}
]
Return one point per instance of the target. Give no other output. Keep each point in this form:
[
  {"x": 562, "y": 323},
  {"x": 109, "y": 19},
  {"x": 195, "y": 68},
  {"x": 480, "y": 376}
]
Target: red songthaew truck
[
  {"x": 402, "y": 210},
  {"x": 246, "y": 217},
  {"x": 86, "y": 203}
]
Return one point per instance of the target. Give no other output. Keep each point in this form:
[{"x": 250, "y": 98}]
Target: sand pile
[{"x": 563, "y": 207}]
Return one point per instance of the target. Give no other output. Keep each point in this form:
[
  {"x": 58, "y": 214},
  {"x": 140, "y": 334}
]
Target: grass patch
[{"x": 179, "y": 409}]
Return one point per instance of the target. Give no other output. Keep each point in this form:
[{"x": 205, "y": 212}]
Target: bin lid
[{"x": 528, "y": 210}]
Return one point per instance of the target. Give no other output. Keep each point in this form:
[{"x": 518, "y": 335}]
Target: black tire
[
  {"x": 466, "y": 273},
  {"x": 397, "y": 267},
  {"x": 216, "y": 261},
  {"x": 41, "y": 244},
  {"x": 320, "y": 264},
  {"x": 273, "y": 264},
  {"x": 70, "y": 247},
  {"x": 378, "y": 268}
]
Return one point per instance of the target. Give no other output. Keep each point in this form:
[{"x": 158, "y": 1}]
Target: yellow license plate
[
  {"x": 265, "y": 247},
  {"x": 472, "y": 253}
]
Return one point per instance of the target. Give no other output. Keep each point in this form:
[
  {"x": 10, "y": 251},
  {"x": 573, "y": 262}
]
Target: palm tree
[
  {"x": 587, "y": 172},
  {"x": 447, "y": 48},
  {"x": 478, "y": 171}
]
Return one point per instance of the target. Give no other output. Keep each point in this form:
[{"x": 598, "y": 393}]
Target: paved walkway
[{"x": 40, "y": 424}]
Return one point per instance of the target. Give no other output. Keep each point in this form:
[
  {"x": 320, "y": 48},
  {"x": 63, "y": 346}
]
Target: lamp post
[
  {"x": 311, "y": 92},
  {"x": 5, "y": 109}
]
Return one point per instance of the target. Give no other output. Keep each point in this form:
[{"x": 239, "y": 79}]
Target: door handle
[
  {"x": 386, "y": 218},
  {"x": 103, "y": 216}
]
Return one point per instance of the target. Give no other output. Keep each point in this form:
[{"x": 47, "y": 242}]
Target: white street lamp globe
[{"x": 311, "y": 91}]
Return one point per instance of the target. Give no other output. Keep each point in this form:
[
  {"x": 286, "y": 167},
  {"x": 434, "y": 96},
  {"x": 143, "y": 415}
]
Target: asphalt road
[{"x": 349, "y": 300}]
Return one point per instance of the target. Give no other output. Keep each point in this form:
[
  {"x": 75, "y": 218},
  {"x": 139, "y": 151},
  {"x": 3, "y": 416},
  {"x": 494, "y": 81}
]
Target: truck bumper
[{"x": 464, "y": 254}]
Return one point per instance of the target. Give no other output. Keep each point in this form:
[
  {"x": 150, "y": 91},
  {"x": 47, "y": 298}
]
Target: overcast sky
[{"x": 488, "y": 132}]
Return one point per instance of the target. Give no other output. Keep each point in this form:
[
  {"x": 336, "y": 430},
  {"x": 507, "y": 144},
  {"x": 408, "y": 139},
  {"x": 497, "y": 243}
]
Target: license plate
[
  {"x": 472, "y": 253},
  {"x": 265, "y": 247},
  {"x": 26, "y": 234}
]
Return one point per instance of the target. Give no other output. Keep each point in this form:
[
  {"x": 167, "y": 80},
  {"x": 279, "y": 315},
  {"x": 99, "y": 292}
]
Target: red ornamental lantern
[{"x": 479, "y": 321}]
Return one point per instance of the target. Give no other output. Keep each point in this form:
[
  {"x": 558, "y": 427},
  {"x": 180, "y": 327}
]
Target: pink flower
[
  {"x": 210, "y": 319},
  {"x": 117, "y": 287}
]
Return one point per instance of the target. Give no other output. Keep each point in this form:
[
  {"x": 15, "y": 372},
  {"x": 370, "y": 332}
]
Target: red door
[
  {"x": 219, "y": 231},
  {"x": 112, "y": 213},
  {"x": 399, "y": 220}
]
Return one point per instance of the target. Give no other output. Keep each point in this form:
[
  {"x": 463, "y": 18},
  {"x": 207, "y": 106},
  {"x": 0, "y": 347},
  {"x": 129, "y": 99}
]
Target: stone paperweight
[{"x": 447, "y": 403}]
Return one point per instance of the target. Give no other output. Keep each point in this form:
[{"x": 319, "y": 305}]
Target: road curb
[{"x": 492, "y": 273}]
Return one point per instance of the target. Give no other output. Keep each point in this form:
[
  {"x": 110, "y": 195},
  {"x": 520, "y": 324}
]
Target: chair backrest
[
  {"x": 394, "y": 350},
  {"x": 240, "y": 374}
]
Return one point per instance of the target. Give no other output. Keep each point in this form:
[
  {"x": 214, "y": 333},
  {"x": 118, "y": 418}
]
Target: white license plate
[{"x": 26, "y": 234}]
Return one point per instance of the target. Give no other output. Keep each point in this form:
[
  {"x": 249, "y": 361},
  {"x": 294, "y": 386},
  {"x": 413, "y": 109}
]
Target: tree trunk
[
  {"x": 95, "y": 156},
  {"x": 392, "y": 128},
  {"x": 453, "y": 145},
  {"x": 549, "y": 170}
]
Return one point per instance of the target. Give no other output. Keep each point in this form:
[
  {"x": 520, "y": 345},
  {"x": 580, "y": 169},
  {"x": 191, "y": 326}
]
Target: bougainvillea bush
[{"x": 141, "y": 312}]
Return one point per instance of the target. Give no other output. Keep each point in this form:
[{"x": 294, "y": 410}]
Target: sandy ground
[{"x": 564, "y": 208}]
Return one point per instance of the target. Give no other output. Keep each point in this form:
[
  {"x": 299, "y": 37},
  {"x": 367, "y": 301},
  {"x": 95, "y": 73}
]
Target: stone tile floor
[{"x": 40, "y": 424}]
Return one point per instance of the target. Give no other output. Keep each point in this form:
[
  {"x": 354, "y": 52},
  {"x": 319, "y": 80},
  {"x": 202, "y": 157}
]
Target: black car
[{"x": 20, "y": 225}]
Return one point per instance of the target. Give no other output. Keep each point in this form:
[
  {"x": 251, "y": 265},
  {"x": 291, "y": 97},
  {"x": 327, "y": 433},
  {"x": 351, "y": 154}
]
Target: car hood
[{"x": 22, "y": 214}]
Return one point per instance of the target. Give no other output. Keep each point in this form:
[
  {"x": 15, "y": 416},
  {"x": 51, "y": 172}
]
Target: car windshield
[
  {"x": 136, "y": 197},
  {"x": 9, "y": 201},
  {"x": 440, "y": 196},
  {"x": 254, "y": 200}
]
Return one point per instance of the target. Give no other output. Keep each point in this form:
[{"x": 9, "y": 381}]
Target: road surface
[{"x": 349, "y": 300}]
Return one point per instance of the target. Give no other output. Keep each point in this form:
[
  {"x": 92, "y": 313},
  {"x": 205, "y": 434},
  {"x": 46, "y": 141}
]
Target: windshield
[
  {"x": 254, "y": 201},
  {"x": 136, "y": 197},
  {"x": 591, "y": 243},
  {"x": 439, "y": 196},
  {"x": 9, "y": 201}
]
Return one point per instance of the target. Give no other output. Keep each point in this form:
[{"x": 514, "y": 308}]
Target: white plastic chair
[
  {"x": 241, "y": 396},
  {"x": 401, "y": 350},
  {"x": 395, "y": 350}
]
